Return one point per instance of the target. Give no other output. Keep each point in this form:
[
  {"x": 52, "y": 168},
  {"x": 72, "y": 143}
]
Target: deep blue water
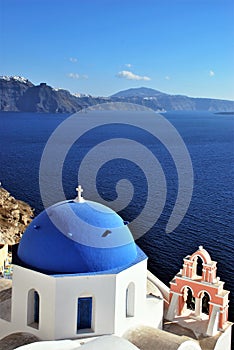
[{"x": 209, "y": 220}]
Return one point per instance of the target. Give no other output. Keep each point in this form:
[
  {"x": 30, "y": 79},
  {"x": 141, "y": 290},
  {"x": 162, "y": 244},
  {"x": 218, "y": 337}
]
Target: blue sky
[{"x": 102, "y": 46}]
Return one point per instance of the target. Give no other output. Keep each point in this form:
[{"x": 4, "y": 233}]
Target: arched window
[
  {"x": 189, "y": 298},
  {"x": 205, "y": 303},
  {"x": 33, "y": 312},
  {"x": 130, "y": 300},
  {"x": 199, "y": 266}
]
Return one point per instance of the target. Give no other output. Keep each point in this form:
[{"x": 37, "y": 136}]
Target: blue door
[{"x": 84, "y": 313}]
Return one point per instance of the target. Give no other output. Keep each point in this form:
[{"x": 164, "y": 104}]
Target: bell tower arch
[{"x": 208, "y": 295}]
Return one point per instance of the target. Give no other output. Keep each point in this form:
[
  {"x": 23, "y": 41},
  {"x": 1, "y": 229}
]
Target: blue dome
[{"x": 76, "y": 237}]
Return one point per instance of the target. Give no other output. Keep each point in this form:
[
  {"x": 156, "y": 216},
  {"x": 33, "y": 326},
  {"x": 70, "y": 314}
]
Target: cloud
[
  {"x": 167, "y": 77},
  {"x": 129, "y": 65},
  {"x": 131, "y": 76},
  {"x": 77, "y": 76},
  {"x": 73, "y": 59},
  {"x": 73, "y": 76},
  {"x": 211, "y": 73}
]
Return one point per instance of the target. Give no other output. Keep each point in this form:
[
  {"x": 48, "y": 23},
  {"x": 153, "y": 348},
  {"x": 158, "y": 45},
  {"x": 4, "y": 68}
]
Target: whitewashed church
[{"x": 78, "y": 276}]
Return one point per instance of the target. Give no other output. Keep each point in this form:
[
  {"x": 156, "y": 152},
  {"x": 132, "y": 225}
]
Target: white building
[{"x": 80, "y": 274}]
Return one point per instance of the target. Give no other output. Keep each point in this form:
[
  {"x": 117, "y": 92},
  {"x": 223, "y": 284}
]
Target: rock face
[
  {"x": 11, "y": 89},
  {"x": 43, "y": 98},
  {"x": 20, "y": 95},
  {"x": 15, "y": 216}
]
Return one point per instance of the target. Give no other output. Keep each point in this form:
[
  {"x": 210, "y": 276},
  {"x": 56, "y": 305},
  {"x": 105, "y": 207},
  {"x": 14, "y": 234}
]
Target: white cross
[{"x": 79, "y": 190}]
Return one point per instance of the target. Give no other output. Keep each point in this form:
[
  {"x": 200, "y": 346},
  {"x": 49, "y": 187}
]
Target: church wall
[
  {"x": 23, "y": 281},
  {"x": 58, "y": 303},
  {"x": 101, "y": 288},
  {"x": 147, "y": 310}
]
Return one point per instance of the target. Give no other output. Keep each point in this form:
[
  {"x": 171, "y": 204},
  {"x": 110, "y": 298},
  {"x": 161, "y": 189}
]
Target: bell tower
[{"x": 207, "y": 295}]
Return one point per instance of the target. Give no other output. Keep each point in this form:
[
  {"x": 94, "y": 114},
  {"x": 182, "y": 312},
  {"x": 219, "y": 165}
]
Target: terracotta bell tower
[{"x": 203, "y": 288}]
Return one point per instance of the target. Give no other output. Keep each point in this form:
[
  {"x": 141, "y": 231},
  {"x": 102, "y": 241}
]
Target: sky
[{"x": 100, "y": 47}]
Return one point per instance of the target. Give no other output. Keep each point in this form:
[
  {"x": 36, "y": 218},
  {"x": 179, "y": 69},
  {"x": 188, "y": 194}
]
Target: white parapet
[
  {"x": 160, "y": 285},
  {"x": 172, "y": 307}
]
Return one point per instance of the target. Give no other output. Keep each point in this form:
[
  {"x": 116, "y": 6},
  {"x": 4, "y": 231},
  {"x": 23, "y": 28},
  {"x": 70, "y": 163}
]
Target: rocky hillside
[
  {"x": 15, "y": 216},
  {"x": 157, "y": 100},
  {"x": 19, "y": 94},
  {"x": 43, "y": 98},
  {"x": 11, "y": 89}
]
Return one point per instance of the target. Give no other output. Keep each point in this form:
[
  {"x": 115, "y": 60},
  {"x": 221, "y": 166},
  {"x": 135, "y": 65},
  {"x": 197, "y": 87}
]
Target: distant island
[
  {"x": 226, "y": 113},
  {"x": 18, "y": 94}
]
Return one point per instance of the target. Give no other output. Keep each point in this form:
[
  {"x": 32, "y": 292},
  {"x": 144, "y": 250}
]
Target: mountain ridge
[
  {"x": 18, "y": 94},
  {"x": 149, "y": 92},
  {"x": 141, "y": 91}
]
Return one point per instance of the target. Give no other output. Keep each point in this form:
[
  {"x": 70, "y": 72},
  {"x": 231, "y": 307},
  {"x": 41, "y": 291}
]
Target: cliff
[
  {"x": 15, "y": 215},
  {"x": 11, "y": 89},
  {"x": 20, "y": 95},
  {"x": 43, "y": 98}
]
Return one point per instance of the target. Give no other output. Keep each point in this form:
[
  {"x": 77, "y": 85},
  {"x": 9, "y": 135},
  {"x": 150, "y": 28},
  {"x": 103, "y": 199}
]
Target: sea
[{"x": 209, "y": 220}]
